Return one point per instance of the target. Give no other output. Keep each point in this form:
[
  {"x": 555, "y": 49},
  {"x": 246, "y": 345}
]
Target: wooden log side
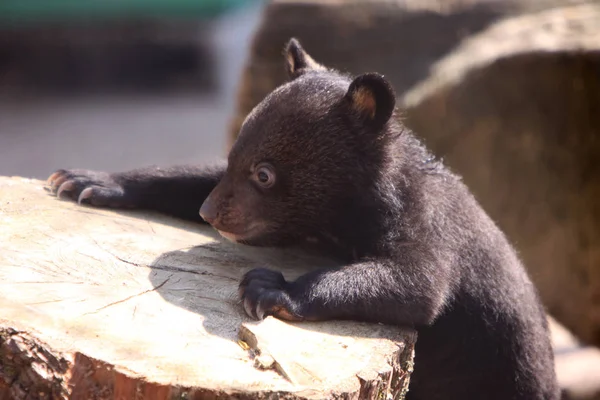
[{"x": 102, "y": 304}]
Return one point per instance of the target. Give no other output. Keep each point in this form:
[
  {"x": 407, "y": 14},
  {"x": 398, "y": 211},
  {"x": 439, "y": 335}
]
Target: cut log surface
[{"x": 102, "y": 304}]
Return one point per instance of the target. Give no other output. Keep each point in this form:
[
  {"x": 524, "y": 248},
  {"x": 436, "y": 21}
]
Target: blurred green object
[{"x": 64, "y": 10}]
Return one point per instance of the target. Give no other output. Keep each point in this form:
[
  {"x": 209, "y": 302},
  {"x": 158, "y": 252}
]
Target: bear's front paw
[
  {"x": 263, "y": 292},
  {"x": 83, "y": 186}
]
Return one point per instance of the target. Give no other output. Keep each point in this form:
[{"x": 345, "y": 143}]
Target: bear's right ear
[
  {"x": 297, "y": 61},
  {"x": 372, "y": 97}
]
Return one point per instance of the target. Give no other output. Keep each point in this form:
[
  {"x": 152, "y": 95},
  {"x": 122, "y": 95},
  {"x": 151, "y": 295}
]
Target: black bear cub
[{"x": 325, "y": 160}]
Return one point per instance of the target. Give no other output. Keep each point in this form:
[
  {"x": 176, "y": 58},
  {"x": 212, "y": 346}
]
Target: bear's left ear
[
  {"x": 373, "y": 98},
  {"x": 298, "y": 61}
]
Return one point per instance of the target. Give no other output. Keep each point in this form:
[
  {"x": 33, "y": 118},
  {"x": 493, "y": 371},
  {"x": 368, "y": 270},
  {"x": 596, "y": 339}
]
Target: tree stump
[
  {"x": 506, "y": 92},
  {"x": 101, "y": 304}
]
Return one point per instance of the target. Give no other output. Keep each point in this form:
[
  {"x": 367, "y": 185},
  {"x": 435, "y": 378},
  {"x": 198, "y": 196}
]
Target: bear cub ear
[
  {"x": 298, "y": 61},
  {"x": 373, "y": 98}
]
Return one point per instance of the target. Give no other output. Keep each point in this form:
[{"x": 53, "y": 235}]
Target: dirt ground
[{"x": 108, "y": 134}]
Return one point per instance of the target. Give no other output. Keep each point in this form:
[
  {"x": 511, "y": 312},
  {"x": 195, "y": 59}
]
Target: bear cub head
[{"x": 308, "y": 157}]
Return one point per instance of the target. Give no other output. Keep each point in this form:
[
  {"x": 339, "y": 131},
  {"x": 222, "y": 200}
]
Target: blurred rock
[
  {"x": 508, "y": 93},
  {"x": 577, "y": 366},
  {"x": 521, "y": 123}
]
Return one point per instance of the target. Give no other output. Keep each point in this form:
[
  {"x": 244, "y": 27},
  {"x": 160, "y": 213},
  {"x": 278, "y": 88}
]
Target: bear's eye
[{"x": 264, "y": 175}]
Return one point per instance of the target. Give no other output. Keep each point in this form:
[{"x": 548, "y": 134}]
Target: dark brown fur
[{"x": 325, "y": 159}]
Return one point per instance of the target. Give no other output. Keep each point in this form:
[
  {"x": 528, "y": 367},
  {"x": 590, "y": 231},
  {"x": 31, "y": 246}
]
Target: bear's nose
[{"x": 208, "y": 211}]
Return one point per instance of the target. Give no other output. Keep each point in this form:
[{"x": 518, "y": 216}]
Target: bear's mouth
[
  {"x": 254, "y": 231},
  {"x": 232, "y": 237}
]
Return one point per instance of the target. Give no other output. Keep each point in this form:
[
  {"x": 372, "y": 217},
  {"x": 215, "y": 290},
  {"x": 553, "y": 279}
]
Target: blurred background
[
  {"x": 118, "y": 84},
  {"x": 507, "y": 92}
]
